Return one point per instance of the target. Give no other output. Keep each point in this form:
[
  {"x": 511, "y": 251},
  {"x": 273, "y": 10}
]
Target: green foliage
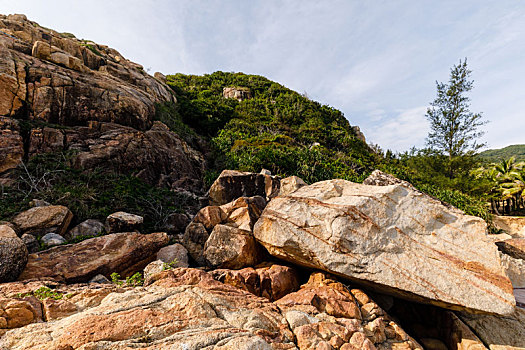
[
  {"x": 131, "y": 281},
  {"x": 496, "y": 155},
  {"x": 43, "y": 293},
  {"x": 453, "y": 128},
  {"x": 169, "y": 266},
  {"x": 91, "y": 46},
  {"x": 93, "y": 194},
  {"x": 277, "y": 128}
]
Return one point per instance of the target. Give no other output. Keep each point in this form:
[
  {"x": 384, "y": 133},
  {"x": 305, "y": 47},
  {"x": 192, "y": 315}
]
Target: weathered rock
[
  {"x": 238, "y": 93},
  {"x": 290, "y": 184},
  {"x": 89, "y": 227},
  {"x": 513, "y": 247},
  {"x": 391, "y": 238},
  {"x": 186, "y": 308},
  {"x": 11, "y": 142},
  {"x": 513, "y": 225},
  {"x": 515, "y": 270},
  {"x": 31, "y": 243},
  {"x": 16, "y": 313},
  {"x": 195, "y": 238},
  {"x": 123, "y": 222},
  {"x": 38, "y": 221},
  {"x": 324, "y": 314},
  {"x": 13, "y": 254},
  {"x": 176, "y": 223},
  {"x": 152, "y": 272},
  {"x": 52, "y": 239},
  {"x": 175, "y": 255},
  {"x": 67, "y": 81},
  {"x": 124, "y": 253},
  {"x": 231, "y": 248},
  {"x": 232, "y": 184},
  {"x": 241, "y": 213},
  {"x": 99, "y": 279},
  {"x": 270, "y": 281},
  {"x": 499, "y": 333}
]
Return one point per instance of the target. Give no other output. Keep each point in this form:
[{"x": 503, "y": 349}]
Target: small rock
[
  {"x": 52, "y": 239},
  {"x": 100, "y": 279},
  {"x": 31, "y": 243},
  {"x": 265, "y": 172},
  {"x": 38, "y": 221},
  {"x": 290, "y": 184},
  {"x": 39, "y": 203},
  {"x": 90, "y": 227},
  {"x": 174, "y": 254},
  {"x": 123, "y": 222},
  {"x": 153, "y": 271},
  {"x": 13, "y": 254},
  {"x": 176, "y": 223},
  {"x": 194, "y": 239}
]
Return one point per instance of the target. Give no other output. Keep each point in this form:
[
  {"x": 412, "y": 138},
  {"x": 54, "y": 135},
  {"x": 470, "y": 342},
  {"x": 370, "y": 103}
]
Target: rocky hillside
[{"x": 109, "y": 240}]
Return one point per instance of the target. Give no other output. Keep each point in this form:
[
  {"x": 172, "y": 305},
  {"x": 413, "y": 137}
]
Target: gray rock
[
  {"x": 175, "y": 253},
  {"x": 123, "y": 222},
  {"x": 100, "y": 279},
  {"x": 13, "y": 254},
  {"x": 52, "y": 239},
  {"x": 90, "y": 227},
  {"x": 194, "y": 239},
  {"x": 31, "y": 243},
  {"x": 176, "y": 223}
]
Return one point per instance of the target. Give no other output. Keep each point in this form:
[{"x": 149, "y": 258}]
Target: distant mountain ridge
[{"x": 494, "y": 155}]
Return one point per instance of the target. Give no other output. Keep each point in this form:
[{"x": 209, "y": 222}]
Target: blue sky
[{"x": 377, "y": 61}]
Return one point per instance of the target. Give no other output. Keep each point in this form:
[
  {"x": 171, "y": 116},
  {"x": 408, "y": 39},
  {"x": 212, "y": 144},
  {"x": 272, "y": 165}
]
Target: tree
[{"x": 453, "y": 127}]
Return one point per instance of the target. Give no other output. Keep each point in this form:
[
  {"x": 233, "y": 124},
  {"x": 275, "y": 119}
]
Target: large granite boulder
[
  {"x": 232, "y": 184},
  {"x": 123, "y": 253},
  {"x": 391, "y": 238},
  {"x": 38, "y": 221},
  {"x": 13, "y": 254}
]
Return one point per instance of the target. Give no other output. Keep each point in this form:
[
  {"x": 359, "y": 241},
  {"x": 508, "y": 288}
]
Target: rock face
[
  {"x": 174, "y": 254},
  {"x": 104, "y": 104},
  {"x": 237, "y": 93},
  {"x": 38, "y": 221},
  {"x": 13, "y": 254},
  {"x": 391, "y": 238},
  {"x": 232, "y": 184},
  {"x": 124, "y": 253}
]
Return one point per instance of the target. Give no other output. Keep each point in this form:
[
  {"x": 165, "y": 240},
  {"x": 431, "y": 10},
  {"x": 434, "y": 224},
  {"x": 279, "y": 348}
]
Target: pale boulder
[
  {"x": 38, "y": 221},
  {"x": 391, "y": 238},
  {"x": 290, "y": 184}
]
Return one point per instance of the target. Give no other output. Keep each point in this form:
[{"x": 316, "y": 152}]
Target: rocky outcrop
[
  {"x": 11, "y": 142},
  {"x": 324, "y": 314},
  {"x": 13, "y": 255},
  {"x": 38, "y": 221},
  {"x": 391, "y": 238},
  {"x": 513, "y": 247},
  {"x": 236, "y": 218},
  {"x": 238, "y": 93},
  {"x": 232, "y": 184},
  {"x": 123, "y": 253}
]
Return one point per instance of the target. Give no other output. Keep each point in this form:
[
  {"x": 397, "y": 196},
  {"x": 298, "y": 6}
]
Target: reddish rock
[
  {"x": 124, "y": 253},
  {"x": 514, "y": 247}
]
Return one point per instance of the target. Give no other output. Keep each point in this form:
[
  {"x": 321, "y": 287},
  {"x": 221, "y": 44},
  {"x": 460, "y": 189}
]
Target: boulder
[
  {"x": 52, "y": 239},
  {"x": 38, "y": 221},
  {"x": 512, "y": 225},
  {"x": 514, "y": 247},
  {"x": 13, "y": 254},
  {"x": 231, "y": 248},
  {"x": 89, "y": 227},
  {"x": 499, "y": 333},
  {"x": 194, "y": 239},
  {"x": 390, "y": 238},
  {"x": 123, "y": 222},
  {"x": 123, "y": 253},
  {"x": 290, "y": 184},
  {"x": 324, "y": 314},
  {"x": 515, "y": 270},
  {"x": 175, "y": 255},
  {"x": 185, "y": 309},
  {"x": 270, "y": 281},
  {"x": 31, "y": 243},
  {"x": 176, "y": 223},
  {"x": 238, "y": 93},
  {"x": 232, "y": 184}
]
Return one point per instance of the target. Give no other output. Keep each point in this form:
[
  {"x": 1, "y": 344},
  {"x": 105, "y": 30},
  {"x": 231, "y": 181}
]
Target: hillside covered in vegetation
[{"x": 496, "y": 155}]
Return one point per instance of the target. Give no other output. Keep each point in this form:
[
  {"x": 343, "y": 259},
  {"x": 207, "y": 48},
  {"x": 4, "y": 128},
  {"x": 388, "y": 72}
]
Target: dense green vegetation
[
  {"x": 94, "y": 194},
  {"x": 496, "y": 155},
  {"x": 277, "y": 128}
]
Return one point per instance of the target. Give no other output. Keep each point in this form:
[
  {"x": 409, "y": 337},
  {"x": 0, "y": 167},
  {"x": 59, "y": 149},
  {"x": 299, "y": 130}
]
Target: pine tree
[{"x": 454, "y": 128}]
